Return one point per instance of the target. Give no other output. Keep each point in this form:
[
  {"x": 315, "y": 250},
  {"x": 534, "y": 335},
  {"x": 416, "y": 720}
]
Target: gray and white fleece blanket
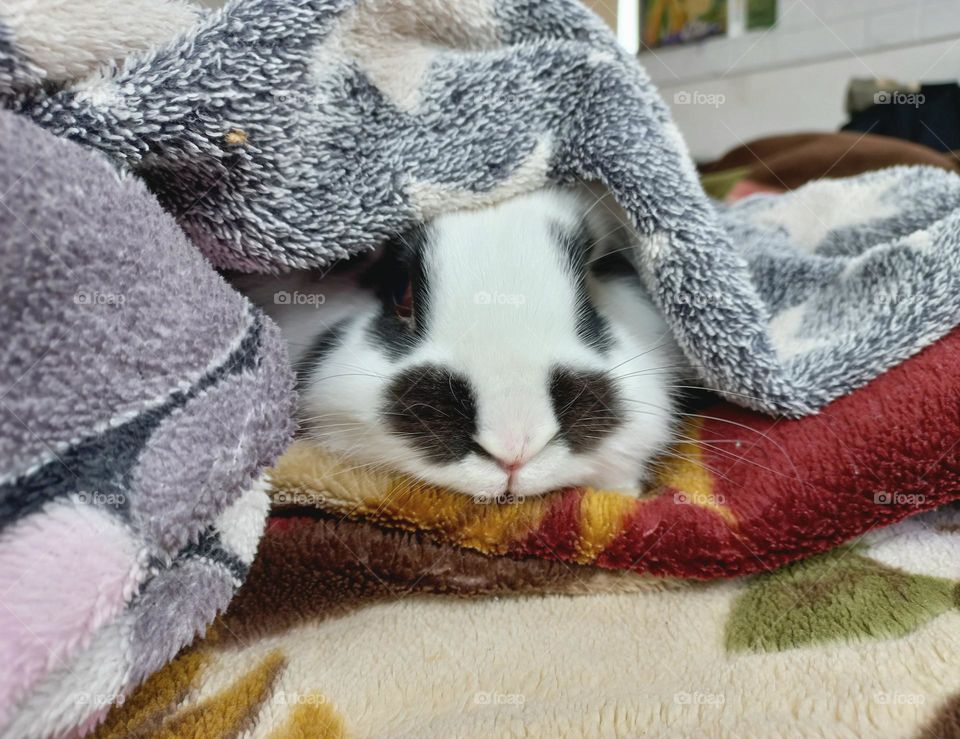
[
  {"x": 292, "y": 134},
  {"x": 140, "y": 398}
]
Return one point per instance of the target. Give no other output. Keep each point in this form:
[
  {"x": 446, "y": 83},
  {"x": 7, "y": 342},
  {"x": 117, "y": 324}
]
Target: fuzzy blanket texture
[
  {"x": 860, "y": 642},
  {"x": 293, "y": 134},
  {"x": 141, "y": 401}
]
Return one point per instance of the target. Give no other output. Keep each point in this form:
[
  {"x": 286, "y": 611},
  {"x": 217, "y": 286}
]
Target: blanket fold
[{"x": 141, "y": 401}]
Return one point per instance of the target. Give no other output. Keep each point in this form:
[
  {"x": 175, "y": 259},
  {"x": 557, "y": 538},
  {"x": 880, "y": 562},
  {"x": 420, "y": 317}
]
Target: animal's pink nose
[
  {"x": 508, "y": 460},
  {"x": 508, "y": 466}
]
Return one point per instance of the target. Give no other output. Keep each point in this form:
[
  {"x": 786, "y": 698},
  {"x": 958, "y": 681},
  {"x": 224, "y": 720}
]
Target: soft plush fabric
[
  {"x": 51, "y": 42},
  {"x": 293, "y": 134},
  {"x": 745, "y": 188},
  {"x": 343, "y": 631},
  {"x": 743, "y": 494},
  {"x": 140, "y": 401}
]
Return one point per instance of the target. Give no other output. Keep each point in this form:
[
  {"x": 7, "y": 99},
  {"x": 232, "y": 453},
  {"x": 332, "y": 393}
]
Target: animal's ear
[{"x": 613, "y": 239}]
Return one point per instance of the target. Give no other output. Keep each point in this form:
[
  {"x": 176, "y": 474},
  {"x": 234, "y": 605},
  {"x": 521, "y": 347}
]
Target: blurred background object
[
  {"x": 667, "y": 22},
  {"x": 785, "y": 162},
  {"x": 794, "y": 76},
  {"x": 734, "y": 71},
  {"x": 606, "y": 9}
]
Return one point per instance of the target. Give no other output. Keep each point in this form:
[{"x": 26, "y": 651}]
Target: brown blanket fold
[{"x": 786, "y": 162}]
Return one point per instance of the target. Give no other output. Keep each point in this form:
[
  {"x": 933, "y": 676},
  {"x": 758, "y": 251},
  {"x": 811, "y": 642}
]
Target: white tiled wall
[
  {"x": 793, "y": 77},
  {"x": 811, "y": 30}
]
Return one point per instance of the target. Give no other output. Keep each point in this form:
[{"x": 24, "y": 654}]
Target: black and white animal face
[{"x": 487, "y": 357}]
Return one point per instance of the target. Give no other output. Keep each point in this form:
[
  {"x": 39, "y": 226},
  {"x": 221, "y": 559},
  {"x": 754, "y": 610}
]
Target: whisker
[
  {"x": 717, "y": 392},
  {"x": 656, "y": 346},
  {"x": 736, "y": 424}
]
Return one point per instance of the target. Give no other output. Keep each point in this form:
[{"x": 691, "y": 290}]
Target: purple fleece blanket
[{"x": 140, "y": 401}]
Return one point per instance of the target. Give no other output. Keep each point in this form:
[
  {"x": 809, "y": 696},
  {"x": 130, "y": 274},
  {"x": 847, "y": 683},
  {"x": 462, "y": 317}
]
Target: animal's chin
[
  {"x": 494, "y": 490},
  {"x": 509, "y": 495}
]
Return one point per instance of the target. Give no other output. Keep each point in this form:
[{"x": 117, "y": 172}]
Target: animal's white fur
[{"x": 502, "y": 313}]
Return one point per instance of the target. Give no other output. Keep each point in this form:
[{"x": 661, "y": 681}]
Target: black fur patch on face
[
  {"x": 586, "y": 406},
  {"x": 435, "y": 411},
  {"x": 322, "y": 345},
  {"x": 591, "y": 327},
  {"x": 389, "y": 335},
  {"x": 402, "y": 264}
]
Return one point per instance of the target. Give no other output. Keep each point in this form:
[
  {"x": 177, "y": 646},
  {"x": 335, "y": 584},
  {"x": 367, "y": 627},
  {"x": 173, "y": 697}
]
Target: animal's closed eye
[{"x": 403, "y": 299}]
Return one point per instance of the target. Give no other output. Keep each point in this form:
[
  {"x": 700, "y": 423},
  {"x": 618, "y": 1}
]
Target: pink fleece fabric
[
  {"x": 64, "y": 572},
  {"x": 745, "y": 188}
]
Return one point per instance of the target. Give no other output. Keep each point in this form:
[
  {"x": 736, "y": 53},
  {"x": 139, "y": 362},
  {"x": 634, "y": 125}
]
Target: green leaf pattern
[{"x": 842, "y": 595}]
